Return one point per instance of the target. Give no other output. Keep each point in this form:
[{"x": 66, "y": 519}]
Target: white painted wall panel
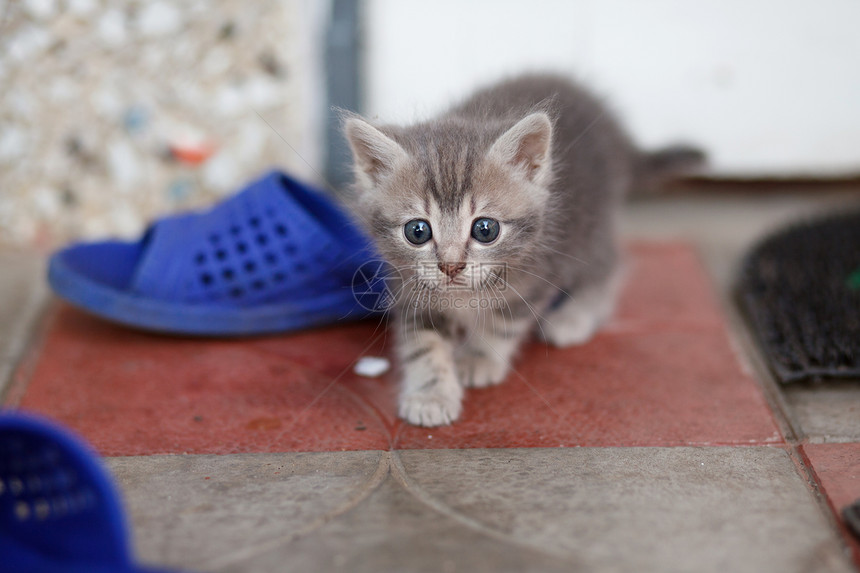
[{"x": 768, "y": 87}]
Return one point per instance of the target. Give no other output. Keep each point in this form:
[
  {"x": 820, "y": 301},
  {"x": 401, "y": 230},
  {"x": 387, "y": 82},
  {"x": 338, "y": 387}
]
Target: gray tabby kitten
[{"x": 499, "y": 217}]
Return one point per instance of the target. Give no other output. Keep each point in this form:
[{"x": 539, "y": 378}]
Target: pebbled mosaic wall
[{"x": 113, "y": 112}]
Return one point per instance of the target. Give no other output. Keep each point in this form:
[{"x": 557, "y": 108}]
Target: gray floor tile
[
  {"x": 199, "y": 511},
  {"x": 827, "y": 411},
  {"x": 22, "y": 294},
  {"x": 392, "y": 531},
  {"x": 604, "y": 510},
  {"x": 247, "y": 517},
  {"x": 640, "y": 509}
]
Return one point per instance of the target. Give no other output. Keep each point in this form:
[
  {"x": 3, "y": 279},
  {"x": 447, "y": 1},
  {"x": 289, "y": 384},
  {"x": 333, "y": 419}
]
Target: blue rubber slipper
[
  {"x": 59, "y": 511},
  {"x": 277, "y": 256}
]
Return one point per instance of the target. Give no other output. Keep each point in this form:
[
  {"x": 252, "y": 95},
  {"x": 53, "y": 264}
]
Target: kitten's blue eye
[
  {"x": 417, "y": 231},
  {"x": 485, "y": 230}
]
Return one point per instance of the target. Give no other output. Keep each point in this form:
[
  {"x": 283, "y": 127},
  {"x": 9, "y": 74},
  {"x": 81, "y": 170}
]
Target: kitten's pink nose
[{"x": 452, "y": 269}]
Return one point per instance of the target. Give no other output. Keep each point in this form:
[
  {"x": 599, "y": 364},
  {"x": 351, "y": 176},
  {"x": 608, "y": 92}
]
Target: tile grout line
[
  {"x": 807, "y": 469},
  {"x": 751, "y": 359},
  {"x": 852, "y": 543},
  {"x": 14, "y": 382}
]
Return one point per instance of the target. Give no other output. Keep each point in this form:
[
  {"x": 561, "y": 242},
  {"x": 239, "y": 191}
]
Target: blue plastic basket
[{"x": 59, "y": 510}]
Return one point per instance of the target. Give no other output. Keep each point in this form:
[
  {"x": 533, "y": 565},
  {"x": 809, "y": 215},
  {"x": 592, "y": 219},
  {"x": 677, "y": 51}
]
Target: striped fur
[{"x": 545, "y": 159}]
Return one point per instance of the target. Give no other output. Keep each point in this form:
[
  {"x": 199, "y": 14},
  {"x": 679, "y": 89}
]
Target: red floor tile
[
  {"x": 662, "y": 373},
  {"x": 131, "y": 393},
  {"x": 837, "y": 470},
  {"x": 665, "y": 388},
  {"x": 665, "y": 287}
]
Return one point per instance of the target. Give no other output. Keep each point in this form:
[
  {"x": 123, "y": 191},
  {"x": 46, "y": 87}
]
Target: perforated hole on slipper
[
  {"x": 16, "y": 486},
  {"x": 41, "y": 509},
  {"x": 22, "y": 511}
]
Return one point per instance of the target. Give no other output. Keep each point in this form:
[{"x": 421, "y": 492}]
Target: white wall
[{"x": 768, "y": 87}]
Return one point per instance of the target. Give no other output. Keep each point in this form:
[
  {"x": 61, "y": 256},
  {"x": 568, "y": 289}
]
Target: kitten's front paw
[
  {"x": 438, "y": 405},
  {"x": 480, "y": 371}
]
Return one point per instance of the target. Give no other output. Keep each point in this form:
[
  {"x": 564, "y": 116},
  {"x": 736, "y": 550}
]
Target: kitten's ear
[
  {"x": 376, "y": 155},
  {"x": 527, "y": 147}
]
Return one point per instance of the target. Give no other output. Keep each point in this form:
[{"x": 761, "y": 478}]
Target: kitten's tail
[{"x": 656, "y": 168}]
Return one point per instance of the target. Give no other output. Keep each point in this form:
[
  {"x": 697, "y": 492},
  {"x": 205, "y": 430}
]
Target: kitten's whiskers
[
  {"x": 568, "y": 255},
  {"x": 536, "y": 315},
  {"x": 552, "y": 284}
]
